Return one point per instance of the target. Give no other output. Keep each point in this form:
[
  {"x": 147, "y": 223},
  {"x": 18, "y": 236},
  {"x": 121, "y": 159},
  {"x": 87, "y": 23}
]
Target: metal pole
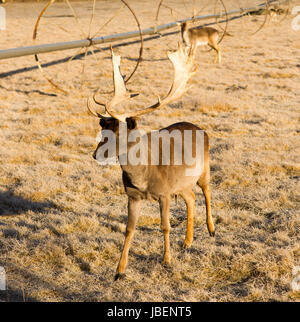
[{"x": 46, "y": 48}]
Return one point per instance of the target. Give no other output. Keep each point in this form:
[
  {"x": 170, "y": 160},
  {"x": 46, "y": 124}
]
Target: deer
[
  {"x": 156, "y": 182},
  {"x": 194, "y": 37}
]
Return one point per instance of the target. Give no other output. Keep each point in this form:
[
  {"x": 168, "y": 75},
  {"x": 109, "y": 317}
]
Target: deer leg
[
  {"x": 218, "y": 52},
  {"x": 164, "y": 203},
  {"x": 209, "y": 220},
  {"x": 189, "y": 198},
  {"x": 193, "y": 49},
  {"x": 219, "y": 55},
  {"x": 133, "y": 208}
]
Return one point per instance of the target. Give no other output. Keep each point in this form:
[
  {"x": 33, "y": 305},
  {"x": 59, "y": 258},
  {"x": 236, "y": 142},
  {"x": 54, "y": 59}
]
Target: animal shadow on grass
[
  {"x": 11, "y": 204},
  {"x": 18, "y": 292},
  {"x": 12, "y": 295}
]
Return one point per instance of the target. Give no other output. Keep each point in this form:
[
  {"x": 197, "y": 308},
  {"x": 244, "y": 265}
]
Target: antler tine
[
  {"x": 120, "y": 90},
  {"x": 97, "y": 102},
  {"x": 93, "y": 112}
]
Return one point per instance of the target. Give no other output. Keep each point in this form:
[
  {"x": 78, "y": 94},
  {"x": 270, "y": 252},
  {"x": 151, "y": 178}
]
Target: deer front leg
[
  {"x": 164, "y": 203},
  {"x": 133, "y": 208},
  {"x": 189, "y": 198}
]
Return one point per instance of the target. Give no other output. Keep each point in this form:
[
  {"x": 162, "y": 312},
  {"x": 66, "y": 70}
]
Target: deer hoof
[
  {"x": 120, "y": 276},
  {"x": 167, "y": 262},
  {"x": 187, "y": 244},
  {"x": 212, "y": 233}
]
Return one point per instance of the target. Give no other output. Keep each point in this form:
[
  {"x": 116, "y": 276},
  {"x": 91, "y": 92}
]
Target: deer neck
[
  {"x": 134, "y": 159},
  {"x": 185, "y": 36}
]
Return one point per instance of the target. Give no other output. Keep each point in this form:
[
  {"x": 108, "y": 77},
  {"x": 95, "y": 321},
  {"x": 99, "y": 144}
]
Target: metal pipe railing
[{"x": 45, "y": 48}]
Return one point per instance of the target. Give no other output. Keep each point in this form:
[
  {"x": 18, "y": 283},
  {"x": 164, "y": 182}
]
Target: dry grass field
[{"x": 63, "y": 217}]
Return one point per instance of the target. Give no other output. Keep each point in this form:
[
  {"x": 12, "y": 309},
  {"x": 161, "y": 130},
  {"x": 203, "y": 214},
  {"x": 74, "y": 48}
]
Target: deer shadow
[
  {"x": 18, "y": 291},
  {"x": 11, "y": 204}
]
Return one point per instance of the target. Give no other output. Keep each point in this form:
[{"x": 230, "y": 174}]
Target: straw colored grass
[{"x": 63, "y": 217}]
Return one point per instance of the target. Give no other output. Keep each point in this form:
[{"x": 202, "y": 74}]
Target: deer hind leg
[
  {"x": 216, "y": 47},
  {"x": 209, "y": 221},
  {"x": 164, "y": 203},
  {"x": 219, "y": 55},
  {"x": 189, "y": 198},
  {"x": 133, "y": 208}
]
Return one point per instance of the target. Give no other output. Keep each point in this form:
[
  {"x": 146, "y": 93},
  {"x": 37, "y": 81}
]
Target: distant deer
[
  {"x": 157, "y": 182},
  {"x": 194, "y": 37}
]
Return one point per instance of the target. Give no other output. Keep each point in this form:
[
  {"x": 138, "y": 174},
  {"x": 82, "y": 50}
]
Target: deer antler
[
  {"x": 120, "y": 90},
  {"x": 121, "y": 93},
  {"x": 93, "y": 112},
  {"x": 184, "y": 68}
]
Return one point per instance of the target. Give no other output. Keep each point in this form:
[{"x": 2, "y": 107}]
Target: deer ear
[
  {"x": 102, "y": 123},
  {"x": 131, "y": 123}
]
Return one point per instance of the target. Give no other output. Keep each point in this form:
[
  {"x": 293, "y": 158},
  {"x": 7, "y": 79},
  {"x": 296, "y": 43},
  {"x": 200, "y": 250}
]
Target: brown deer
[
  {"x": 157, "y": 181},
  {"x": 194, "y": 37}
]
